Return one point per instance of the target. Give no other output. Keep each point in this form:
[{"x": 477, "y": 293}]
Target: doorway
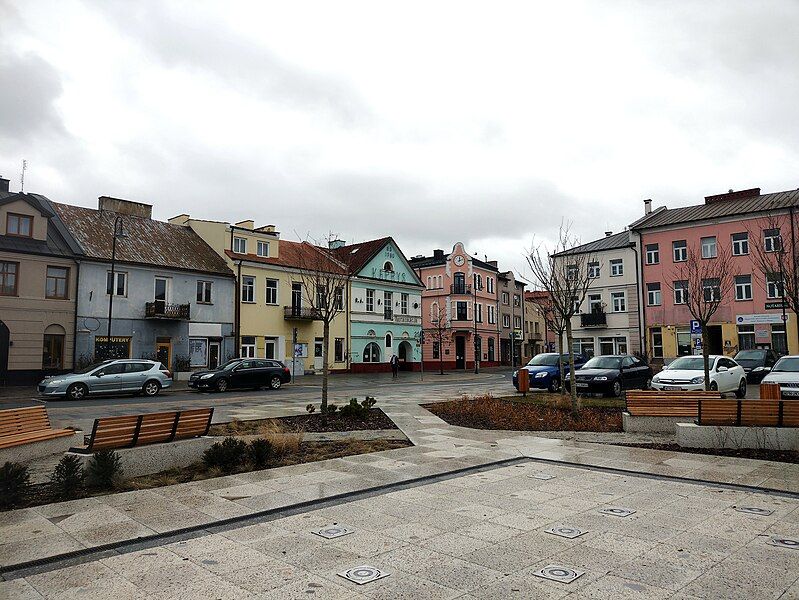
[
  {"x": 318, "y": 354},
  {"x": 715, "y": 341},
  {"x": 405, "y": 355},
  {"x": 460, "y": 352},
  {"x": 163, "y": 351},
  {"x": 213, "y": 355},
  {"x": 5, "y": 336},
  {"x": 296, "y": 299}
]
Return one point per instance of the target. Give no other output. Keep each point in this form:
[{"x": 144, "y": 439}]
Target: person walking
[{"x": 394, "y": 366}]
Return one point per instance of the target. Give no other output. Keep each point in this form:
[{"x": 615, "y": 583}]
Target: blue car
[{"x": 544, "y": 371}]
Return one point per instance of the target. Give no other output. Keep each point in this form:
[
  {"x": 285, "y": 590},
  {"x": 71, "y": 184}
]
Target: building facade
[
  {"x": 751, "y": 315},
  {"x": 385, "y": 306},
  {"x": 537, "y": 337},
  {"x": 38, "y": 288},
  {"x": 459, "y": 310},
  {"x": 608, "y": 320},
  {"x": 510, "y": 295},
  {"x": 170, "y": 296}
]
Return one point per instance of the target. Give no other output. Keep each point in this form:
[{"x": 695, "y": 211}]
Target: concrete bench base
[
  {"x": 27, "y": 452},
  {"x": 690, "y": 435},
  {"x": 154, "y": 458},
  {"x": 633, "y": 424}
]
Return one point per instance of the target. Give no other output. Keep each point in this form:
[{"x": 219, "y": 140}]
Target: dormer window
[
  {"x": 263, "y": 249},
  {"x": 240, "y": 245},
  {"x": 21, "y": 225}
]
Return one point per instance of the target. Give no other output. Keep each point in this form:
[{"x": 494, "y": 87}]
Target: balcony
[
  {"x": 388, "y": 314},
  {"x": 461, "y": 289},
  {"x": 163, "y": 310},
  {"x": 301, "y": 313},
  {"x": 593, "y": 319}
]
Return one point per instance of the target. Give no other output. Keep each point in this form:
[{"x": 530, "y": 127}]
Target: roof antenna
[{"x": 22, "y": 176}]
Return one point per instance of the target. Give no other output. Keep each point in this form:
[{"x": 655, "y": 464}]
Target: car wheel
[
  {"x": 741, "y": 391},
  {"x": 616, "y": 390},
  {"x": 714, "y": 387},
  {"x": 648, "y": 384},
  {"x": 151, "y": 388},
  {"x": 554, "y": 385},
  {"x": 77, "y": 391},
  {"x": 275, "y": 382},
  {"x": 221, "y": 385}
]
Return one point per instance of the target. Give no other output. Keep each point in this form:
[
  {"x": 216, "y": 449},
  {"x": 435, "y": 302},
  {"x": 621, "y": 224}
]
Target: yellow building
[{"x": 273, "y": 318}]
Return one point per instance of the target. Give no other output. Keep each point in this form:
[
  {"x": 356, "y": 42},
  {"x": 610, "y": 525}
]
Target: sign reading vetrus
[{"x": 758, "y": 319}]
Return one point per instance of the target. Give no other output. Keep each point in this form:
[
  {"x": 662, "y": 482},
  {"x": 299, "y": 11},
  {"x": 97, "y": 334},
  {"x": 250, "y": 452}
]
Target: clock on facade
[{"x": 458, "y": 260}]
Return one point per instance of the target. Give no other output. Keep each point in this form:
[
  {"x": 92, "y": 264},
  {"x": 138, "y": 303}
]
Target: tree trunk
[
  {"x": 573, "y": 386},
  {"x": 440, "y": 354},
  {"x": 705, "y": 354},
  {"x": 560, "y": 353},
  {"x": 325, "y": 369}
]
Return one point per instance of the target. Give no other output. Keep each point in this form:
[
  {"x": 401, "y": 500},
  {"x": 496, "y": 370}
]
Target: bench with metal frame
[
  {"x": 748, "y": 413},
  {"x": 655, "y": 403},
  {"x": 20, "y": 426}
]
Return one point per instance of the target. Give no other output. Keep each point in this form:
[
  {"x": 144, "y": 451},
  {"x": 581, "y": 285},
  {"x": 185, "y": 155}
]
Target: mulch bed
[
  {"x": 786, "y": 456},
  {"x": 376, "y": 419},
  {"x": 495, "y": 413}
]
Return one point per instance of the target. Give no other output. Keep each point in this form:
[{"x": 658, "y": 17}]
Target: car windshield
[
  {"x": 603, "y": 362},
  {"x": 690, "y": 363},
  {"x": 544, "y": 360},
  {"x": 789, "y": 364},
  {"x": 229, "y": 364},
  {"x": 92, "y": 367},
  {"x": 751, "y": 355}
]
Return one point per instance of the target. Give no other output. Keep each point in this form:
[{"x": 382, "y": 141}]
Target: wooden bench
[
  {"x": 770, "y": 391},
  {"x": 654, "y": 403},
  {"x": 19, "y": 426},
  {"x": 749, "y": 413},
  {"x": 137, "y": 430}
]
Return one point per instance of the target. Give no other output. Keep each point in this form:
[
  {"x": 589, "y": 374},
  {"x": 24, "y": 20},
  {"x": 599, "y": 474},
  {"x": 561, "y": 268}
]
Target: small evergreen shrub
[
  {"x": 14, "y": 484},
  {"x": 227, "y": 455},
  {"x": 310, "y": 408},
  {"x": 105, "y": 470},
  {"x": 68, "y": 478},
  {"x": 358, "y": 410},
  {"x": 260, "y": 451},
  {"x": 331, "y": 408}
]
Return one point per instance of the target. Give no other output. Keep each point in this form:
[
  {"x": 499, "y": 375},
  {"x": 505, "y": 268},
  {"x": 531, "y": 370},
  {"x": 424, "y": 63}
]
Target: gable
[{"x": 401, "y": 271}]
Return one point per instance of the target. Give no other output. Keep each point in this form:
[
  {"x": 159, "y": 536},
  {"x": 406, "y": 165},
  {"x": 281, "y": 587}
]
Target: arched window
[
  {"x": 388, "y": 266},
  {"x": 434, "y": 311},
  {"x": 428, "y": 282},
  {"x": 53, "y": 350},
  {"x": 371, "y": 354},
  {"x": 388, "y": 340}
]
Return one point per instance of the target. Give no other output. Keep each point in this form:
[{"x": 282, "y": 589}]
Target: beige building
[
  {"x": 37, "y": 289},
  {"x": 536, "y": 336}
]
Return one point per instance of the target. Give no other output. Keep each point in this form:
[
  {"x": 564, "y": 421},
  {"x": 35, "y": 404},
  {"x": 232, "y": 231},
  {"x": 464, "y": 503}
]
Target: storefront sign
[
  {"x": 762, "y": 335},
  {"x": 758, "y": 319},
  {"x": 118, "y": 347},
  {"x": 405, "y": 319},
  {"x": 773, "y": 305}
]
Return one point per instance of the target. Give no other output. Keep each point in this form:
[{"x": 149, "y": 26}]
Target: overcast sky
[{"x": 434, "y": 122}]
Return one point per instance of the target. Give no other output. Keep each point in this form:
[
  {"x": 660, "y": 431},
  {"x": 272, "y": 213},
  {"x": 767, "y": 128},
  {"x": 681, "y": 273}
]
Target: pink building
[
  {"x": 459, "y": 309},
  {"x": 752, "y": 314}
]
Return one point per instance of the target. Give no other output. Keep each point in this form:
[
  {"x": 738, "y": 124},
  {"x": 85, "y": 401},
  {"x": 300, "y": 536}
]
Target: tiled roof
[
  {"x": 297, "y": 255},
  {"x": 356, "y": 256},
  {"x": 609, "y": 242},
  {"x": 720, "y": 208},
  {"x": 58, "y": 242},
  {"x": 147, "y": 241}
]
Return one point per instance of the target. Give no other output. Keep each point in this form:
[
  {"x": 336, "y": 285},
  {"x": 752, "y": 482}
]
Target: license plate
[
  {"x": 672, "y": 387},
  {"x": 792, "y": 393},
  {"x": 582, "y": 384}
]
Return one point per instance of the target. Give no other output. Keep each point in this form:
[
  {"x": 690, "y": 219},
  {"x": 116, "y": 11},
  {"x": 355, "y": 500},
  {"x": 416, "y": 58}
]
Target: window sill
[{"x": 206, "y": 303}]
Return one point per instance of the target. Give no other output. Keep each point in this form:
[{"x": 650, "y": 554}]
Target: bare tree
[
  {"x": 563, "y": 273},
  {"x": 324, "y": 285},
  {"x": 552, "y": 321},
  {"x": 776, "y": 252},
  {"x": 439, "y": 333},
  {"x": 705, "y": 284}
]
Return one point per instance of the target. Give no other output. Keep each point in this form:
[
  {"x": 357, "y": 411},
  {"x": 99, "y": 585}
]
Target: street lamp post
[{"x": 118, "y": 234}]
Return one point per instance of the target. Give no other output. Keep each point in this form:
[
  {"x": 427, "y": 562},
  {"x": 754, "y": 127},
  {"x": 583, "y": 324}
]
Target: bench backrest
[
  {"x": 153, "y": 428},
  {"x": 770, "y": 391},
  {"x": 653, "y": 403},
  {"x": 749, "y": 413},
  {"x": 23, "y": 420}
]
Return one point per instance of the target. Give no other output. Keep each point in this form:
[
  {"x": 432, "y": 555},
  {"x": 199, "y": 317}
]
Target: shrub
[
  {"x": 358, "y": 410},
  {"x": 105, "y": 470},
  {"x": 14, "y": 484},
  {"x": 182, "y": 363},
  {"x": 227, "y": 455},
  {"x": 310, "y": 408},
  {"x": 260, "y": 451},
  {"x": 282, "y": 440},
  {"x": 67, "y": 478},
  {"x": 331, "y": 408}
]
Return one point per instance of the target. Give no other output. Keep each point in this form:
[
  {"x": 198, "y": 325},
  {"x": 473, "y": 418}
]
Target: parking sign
[{"x": 695, "y": 326}]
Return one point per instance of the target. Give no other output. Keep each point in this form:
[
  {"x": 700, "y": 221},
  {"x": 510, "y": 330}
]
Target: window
[
  {"x": 656, "y": 341},
  {"x": 746, "y": 337},
  {"x": 21, "y": 225},
  {"x": 779, "y": 339},
  {"x": 740, "y": 244},
  {"x": 616, "y": 267},
  {"x": 618, "y": 301},
  {"x": 119, "y": 287},
  {"x": 505, "y": 298},
  {"x": 338, "y": 349},
  {"x": 53, "y": 351},
  {"x": 436, "y": 349},
  {"x": 743, "y": 287},
  {"x": 571, "y": 272},
  {"x": 709, "y": 248},
  {"x": 338, "y": 298},
  {"x": 429, "y": 282},
  {"x": 389, "y": 340},
  {"x": 262, "y": 248},
  {"x": 8, "y": 278},
  {"x": 576, "y": 304},
  {"x": 680, "y": 292},
  {"x": 517, "y": 322},
  {"x": 248, "y": 346},
  {"x": 370, "y": 300},
  {"x": 772, "y": 241},
  {"x": 459, "y": 283},
  {"x": 653, "y": 294},
  {"x": 404, "y": 304},
  {"x": 711, "y": 290},
  {"x": 161, "y": 289},
  {"x": 517, "y": 300},
  {"x": 461, "y": 311},
  {"x": 478, "y": 314},
  {"x": 204, "y": 292},
  {"x": 595, "y": 303},
  {"x": 248, "y": 288},
  {"x": 652, "y": 254},
  {"x": 679, "y": 250},
  {"x": 388, "y": 305},
  {"x": 478, "y": 281},
  {"x": 537, "y": 327},
  {"x": 506, "y": 320},
  {"x": 371, "y": 353},
  {"x": 492, "y": 315},
  {"x": 321, "y": 296},
  {"x": 240, "y": 245},
  {"x": 271, "y": 291},
  {"x": 57, "y": 282},
  {"x": 593, "y": 270},
  {"x": 388, "y": 267},
  {"x": 683, "y": 342},
  {"x": 774, "y": 285},
  {"x": 583, "y": 346},
  {"x": 490, "y": 284}
]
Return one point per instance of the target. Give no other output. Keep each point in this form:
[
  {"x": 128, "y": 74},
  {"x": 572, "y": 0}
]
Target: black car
[
  {"x": 253, "y": 373},
  {"x": 611, "y": 374},
  {"x": 757, "y": 363}
]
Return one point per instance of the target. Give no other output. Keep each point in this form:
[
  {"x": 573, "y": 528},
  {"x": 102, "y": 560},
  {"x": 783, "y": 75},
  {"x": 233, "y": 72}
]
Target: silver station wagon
[{"x": 126, "y": 376}]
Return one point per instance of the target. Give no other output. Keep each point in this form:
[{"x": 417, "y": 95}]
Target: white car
[
  {"x": 786, "y": 373},
  {"x": 688, "y": 373}
]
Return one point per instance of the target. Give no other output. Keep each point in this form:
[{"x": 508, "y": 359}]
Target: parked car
[
  {"x": 756, "y": 363},
  {"x": 253, "y": 373},
  {"x": 688, "y": 373},
  {"x": 544, "y": 371},
  {"x": 786, "y": 373},
  {"x": 135, "y": 376},
  {"x": 611, "y": 374}
]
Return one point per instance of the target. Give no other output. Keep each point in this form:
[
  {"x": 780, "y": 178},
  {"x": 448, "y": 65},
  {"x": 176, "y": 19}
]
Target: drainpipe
[
  {"x": 795, "y": 274},
  {"x": 639, "y": 292},
  {"x": 75, "y": 316}
]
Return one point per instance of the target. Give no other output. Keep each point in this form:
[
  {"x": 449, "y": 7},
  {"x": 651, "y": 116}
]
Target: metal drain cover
[
  {"x": 559, "y": 573},
  {"x": 617, "y": 512},
  {"x": 784, "y": 543},
  {"x": 333, "y": 531},
  {"x": 363, "y": 574},
  {"x": 566, "y": 532},
  {"x": 542, "y": 476},
  {"x": 754, "y": 510}
]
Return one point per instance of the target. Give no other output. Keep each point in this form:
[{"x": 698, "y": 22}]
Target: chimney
[
  {"x": 647, "y": 206},
  {"x": 247, "y": 224},
  {"x": 608, "y": 233},
  {"x": 335, "y": 244},
  {"x": 4, "y": 184},
  {"x": 181, "y": 219},
  {"x": 267, "y": 229},
  {"x": 732, "y": 195},
  {"x": 438, "y": 254},
  {"x": 493, "y": 263},
  {"x": 125, "y": 207}
]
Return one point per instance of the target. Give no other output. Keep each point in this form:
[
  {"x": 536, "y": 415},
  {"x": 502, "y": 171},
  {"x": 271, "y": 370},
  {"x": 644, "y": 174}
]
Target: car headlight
[
  {"x": 758, "y": 369},
  {"x": 696, "y": 380},
  {"x": 54, "y": 381},
  {"x": 515, "y": 373},
  {"x": 541, "y": 374},
  {"x": 207, "y": 376},
  {"x": 600, "y": 378}
]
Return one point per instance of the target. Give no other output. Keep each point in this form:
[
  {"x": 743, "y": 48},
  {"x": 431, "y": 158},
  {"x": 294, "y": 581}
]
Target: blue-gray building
[{"x": 171, "y": 296}]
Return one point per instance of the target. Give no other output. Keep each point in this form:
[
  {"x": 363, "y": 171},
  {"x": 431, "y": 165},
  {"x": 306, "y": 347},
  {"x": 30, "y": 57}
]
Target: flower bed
[{"x": 375, "y": 419}]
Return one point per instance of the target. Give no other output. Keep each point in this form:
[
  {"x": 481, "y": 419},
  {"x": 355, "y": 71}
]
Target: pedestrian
[{"x": 394, "y": 366}]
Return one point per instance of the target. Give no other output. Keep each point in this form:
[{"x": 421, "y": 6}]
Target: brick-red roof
[
  {"x": 298, "y": 255},
  {"x": 356, "y": 256}
]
